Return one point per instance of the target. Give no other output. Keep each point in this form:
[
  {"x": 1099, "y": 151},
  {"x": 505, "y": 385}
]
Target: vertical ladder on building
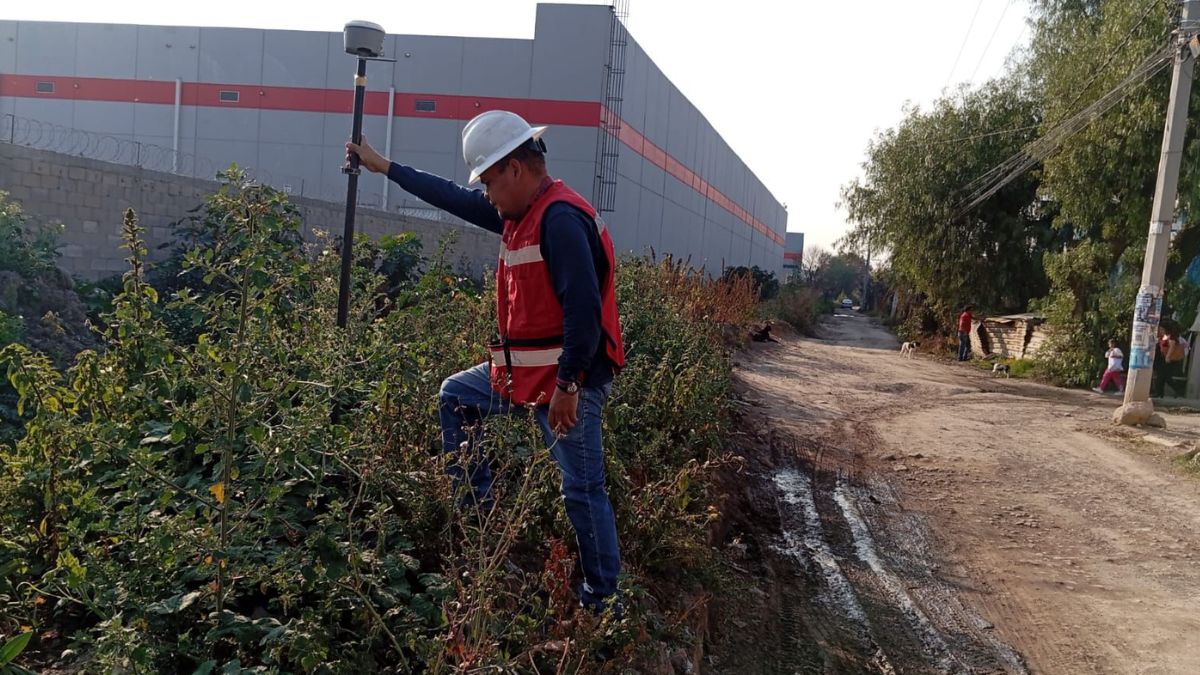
[{"x": 608, "y": 143}]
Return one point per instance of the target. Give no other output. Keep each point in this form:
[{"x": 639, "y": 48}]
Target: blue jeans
[
  {"x": 964, "y": 346},
  {"x": 467, "y": 397}
]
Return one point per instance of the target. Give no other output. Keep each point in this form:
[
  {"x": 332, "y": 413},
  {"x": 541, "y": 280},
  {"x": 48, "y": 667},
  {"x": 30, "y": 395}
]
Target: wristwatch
[{"x": 568, "y": 386}]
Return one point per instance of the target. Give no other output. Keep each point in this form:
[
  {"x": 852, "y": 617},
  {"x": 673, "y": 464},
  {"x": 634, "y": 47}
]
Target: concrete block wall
[{"x": 90, "y": 197}]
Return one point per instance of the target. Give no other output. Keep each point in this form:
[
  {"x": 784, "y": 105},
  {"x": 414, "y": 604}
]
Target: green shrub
[
  {"x": 230, "y": 482},
  {"x": 25, "y": 248},
  {"x": 799, "y": 306}
]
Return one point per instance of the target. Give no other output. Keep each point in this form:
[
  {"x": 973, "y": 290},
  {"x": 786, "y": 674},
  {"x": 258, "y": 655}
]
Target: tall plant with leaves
[
  {"x": 1103, "y": 178},
  {"x": 183, "y": 500},
  {"x": 909, "y": 202}
]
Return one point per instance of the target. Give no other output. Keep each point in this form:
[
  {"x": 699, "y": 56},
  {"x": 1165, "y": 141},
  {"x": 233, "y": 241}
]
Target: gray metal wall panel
[
  {"x": 158, "y": 120},
  {"x": 576, "y": 174},
  {"x": 221, "y": 153},
  {"x": 292, "y": 164},
  {"x": 46, "y": 48},
  {"x": 658, "y": 102},
  {"x": 104, "y": 117},
  {"x": 340, "y": 66},
  {"x": 458, "y": 171},
  {"x": 629, "y": 165},
  {"x": 677, "y": 137},
  {"x": 297, "y": 59},
  {"x": 104, "y": 50},
  {"x": 633, "y": 107},
  {"x": 157, "y": 147},
  {"x": 677, "y": 235},
  {"x": 716, "y": 247},
  {"x": 675, "y": 190},
  {"x": 8, "y": 46},
  {"x": 336, "y": 128},
  {"x": 232, "y": 124},
  {"x": 289, "y": 126},
  {"x": 653, "y": 178},
  {"x": 690, "y": 150},
  {"x": 697, "y": 200},
  {"x": 428, "y": 64},
  {"x": 624, "y": 220},
  {"x": 168, "y": 53},
  {"x": 739, "y": 250},
  {"x": 231, "y": 55},
  {"x": 374, "y": 128},
  {"x": 795, "y": 242},
  {"x": 570, "y": 49},
  {"x": 497, "y": 67},
  {"x": 649, "y": 231},
  {"x": 46, "y": 111},
  {"x": 422, "y": 135},
  {"x": 571, "y": 144},
  {"x": 438, "y": 163}
]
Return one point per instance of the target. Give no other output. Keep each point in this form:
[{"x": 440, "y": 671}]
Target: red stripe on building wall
[
  {"x": 297, "y": 99},
  {"x": 89, "y": 89},
  {"x": 337, "y": 101},
  {"x": 635, "y": 141},
  {"x": 792, "y": 256}
]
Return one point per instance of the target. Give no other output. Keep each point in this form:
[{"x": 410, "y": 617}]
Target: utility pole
[
  {"x": 866, "y": 275},
  {"x": 1137, "y": 407}
]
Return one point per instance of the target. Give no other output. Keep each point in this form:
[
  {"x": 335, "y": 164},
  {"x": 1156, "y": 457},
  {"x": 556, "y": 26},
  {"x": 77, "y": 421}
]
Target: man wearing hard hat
[{"x": 559, "y": 335}]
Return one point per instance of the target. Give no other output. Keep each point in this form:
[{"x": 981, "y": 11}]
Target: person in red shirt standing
[{"x": 964, "y": 333}]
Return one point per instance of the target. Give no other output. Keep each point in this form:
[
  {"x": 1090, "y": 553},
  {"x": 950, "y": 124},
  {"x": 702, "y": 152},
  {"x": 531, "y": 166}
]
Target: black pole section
[{"x": 360, "y": 89}]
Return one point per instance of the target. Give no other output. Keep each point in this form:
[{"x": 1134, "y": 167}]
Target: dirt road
[{"x": 922, "y": 516}]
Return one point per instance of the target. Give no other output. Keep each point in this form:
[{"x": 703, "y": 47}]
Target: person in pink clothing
[{"x": 1114, "y": 374}]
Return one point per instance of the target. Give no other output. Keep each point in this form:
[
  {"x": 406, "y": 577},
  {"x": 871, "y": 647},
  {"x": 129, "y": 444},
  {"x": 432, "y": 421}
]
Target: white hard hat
[{"x": 490, "y": 136}]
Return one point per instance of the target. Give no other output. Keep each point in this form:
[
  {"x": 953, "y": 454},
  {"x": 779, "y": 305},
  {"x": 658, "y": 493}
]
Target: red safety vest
[{"x": 528, "y": 313}]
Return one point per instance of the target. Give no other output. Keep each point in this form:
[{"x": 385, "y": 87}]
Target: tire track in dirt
[{"x": 1046, "y": 545}]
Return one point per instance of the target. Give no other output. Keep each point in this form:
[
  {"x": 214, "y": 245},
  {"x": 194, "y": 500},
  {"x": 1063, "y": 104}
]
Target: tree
[
  {"x": 841, "y": 275},
  {"x": 1103, "y": 177},
  {"x": 909, "y": 201},
  {"x": 764, "y": 282},
  {"x": 815, "y": 259}
]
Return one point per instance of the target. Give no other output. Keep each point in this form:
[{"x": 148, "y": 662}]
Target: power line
[
  {"x": 1111, "y": 55},
  {"x": 999, "y": 22},
  {"x": 1036, "y": 151},
  {"x": 974, "y": 137},
  {"x": 1150, "y": 60},
  {"x": 1041, "y": 148},
  {"x": 964, "y": 44}
]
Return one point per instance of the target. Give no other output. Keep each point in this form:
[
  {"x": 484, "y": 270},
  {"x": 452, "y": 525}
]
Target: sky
[{"x": 797, "y": 88}]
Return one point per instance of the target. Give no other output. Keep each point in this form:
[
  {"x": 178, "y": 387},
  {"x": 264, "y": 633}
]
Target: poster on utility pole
[{"x": 1147, "y": 312}]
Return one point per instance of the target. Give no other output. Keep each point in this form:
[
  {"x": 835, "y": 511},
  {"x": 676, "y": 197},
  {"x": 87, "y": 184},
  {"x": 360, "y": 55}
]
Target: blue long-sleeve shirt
[{"x": 568, "y": 237}]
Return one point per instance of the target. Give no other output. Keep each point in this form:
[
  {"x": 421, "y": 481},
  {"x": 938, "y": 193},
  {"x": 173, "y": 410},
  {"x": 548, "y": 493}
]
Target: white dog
[
  {"x": 909, "y": 349},
  {"x": 1000, "y": 368}
]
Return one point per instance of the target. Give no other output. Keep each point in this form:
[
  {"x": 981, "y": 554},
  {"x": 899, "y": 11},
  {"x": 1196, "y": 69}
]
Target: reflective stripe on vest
[
  {"x": 532, "y": 254},
  {"x": 526, "y": 358},
  {"x": 521, "y": 256}
]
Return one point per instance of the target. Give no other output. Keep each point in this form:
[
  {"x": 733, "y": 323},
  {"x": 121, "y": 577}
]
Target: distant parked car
[{"x": 847, "y": 303}]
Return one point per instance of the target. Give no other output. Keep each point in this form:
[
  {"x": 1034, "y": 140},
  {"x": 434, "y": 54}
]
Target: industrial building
[
  {"x": 793, "y": 253},
  {"x": 193, "y": 100}
]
